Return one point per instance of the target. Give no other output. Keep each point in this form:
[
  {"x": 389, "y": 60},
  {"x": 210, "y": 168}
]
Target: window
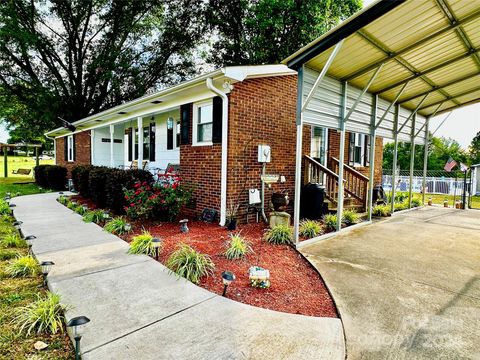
[
  {"x": 178, "y": 127},
  {"x": 70, "y": 148},
  {"x": 359, "y": 150},
  {"x": 146, "y": 142},
  {"x": 319, "y": 148},
  {"x": 203, "y": 123}
]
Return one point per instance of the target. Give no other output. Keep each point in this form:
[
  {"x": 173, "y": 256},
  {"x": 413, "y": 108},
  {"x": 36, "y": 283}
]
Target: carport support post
[
  {"x": 372, "y": 156},
  {"x": 298, "y": 156},
  {"x": 5, "y": 161},
  {"x": 412, "y": 160},
  {"x": 341, "y": 157},
  {"x": 140, "y": 142},
  {"x": 425, "y": 162},
  {"x": 395, "y": 151}
]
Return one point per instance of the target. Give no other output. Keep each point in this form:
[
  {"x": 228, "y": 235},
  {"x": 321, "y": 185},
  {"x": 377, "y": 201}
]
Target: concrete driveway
[{"x": 407, "y": 287}]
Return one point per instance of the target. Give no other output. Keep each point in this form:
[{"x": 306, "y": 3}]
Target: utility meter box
[{"x": 264, "y": 153}]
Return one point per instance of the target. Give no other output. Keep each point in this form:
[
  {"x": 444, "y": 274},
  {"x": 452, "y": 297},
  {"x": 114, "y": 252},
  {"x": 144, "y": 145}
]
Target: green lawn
[
  {"x": 439, "y": 198},
  {"x": 18, "y": 186},
  {"x": 21, "y": 162},
  {"x": 16, "y": 293}
]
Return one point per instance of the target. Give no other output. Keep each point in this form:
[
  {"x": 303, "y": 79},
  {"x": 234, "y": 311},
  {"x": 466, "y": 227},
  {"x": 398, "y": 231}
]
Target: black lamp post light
[
  {"x": 227, "y": 278},
  {"x": 46, "y": 267},
  {"x": 17, "y": 224},
  {"x": 76, "y": 323},
  {"x": 29, "y": 239},
  {"x": 106, "y": 215},
  {"x": 156, "y": 245},
  {"x": 128, "y": 227}
]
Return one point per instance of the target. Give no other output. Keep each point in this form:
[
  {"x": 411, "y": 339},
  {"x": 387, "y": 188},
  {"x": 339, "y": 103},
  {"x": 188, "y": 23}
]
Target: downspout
[{"x": 223, "y": 182}]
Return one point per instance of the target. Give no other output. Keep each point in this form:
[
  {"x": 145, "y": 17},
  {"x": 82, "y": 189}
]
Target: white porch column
[
  {"x": 395, "y": 150},
  {"x": 298, "y": 157},
  {"x": 140, "y": 142},
  {"x": 371, "y": 181},
  {"x": 112, "y": 132},
  {"x": 92, "y": 147},
  {"x": 412, "y": 160},
  {"x": 425, "y": 161},
  {"x": 341, "y": 157}
]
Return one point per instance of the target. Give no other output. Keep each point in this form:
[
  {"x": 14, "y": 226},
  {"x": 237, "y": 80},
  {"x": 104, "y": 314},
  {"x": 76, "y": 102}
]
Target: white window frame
[
  {"x": 360, "y": 141},
  {"x": 195, "y": 124},
  {"x": 70, "y": 149}
]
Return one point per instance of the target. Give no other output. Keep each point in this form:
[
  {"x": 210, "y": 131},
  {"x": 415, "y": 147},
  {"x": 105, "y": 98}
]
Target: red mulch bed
[{"x": 296, "y": 287}]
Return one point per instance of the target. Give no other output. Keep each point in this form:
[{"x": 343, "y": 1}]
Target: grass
[
  {"x": 21, "y": 162},
  {"x": 279, "y": 235},
  {"x": 12, "y": 239},
  {"x": 19, "y": 186},
  {"x": 350, "y": 217},
  {"x": 330, "y": 221},
  {"x": 190, "y": 264},
  {"x": 438, "y": 199},
  {"x": 15, "y": 294},
  {"x": 95, "y": 216},
  {"x": 142, "y": 244},
  {"x": 22, "y": 266},
  {"x": 310, "y": 228},
  {"x": 118, "y": 226},
  {"x": 237, "y": 247}
]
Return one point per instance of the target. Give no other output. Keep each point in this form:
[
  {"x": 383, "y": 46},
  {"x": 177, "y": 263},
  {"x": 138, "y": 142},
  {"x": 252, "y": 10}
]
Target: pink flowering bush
[{"x": 162, "y": 200}]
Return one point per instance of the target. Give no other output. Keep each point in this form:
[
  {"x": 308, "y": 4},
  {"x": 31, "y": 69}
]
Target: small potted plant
[
  {"x": 232, "y": 216},
  {"x": 429, "y": 201},
  {"x": 445, "y": 203}
]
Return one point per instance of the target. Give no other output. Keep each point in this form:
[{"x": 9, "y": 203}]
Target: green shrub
[
  {"x": 416, "y": 202},
  {"x": 238, "y": 247},
  {"x": 310, "y": 228},
  {"x": 12, "y": 240},
  {"x": 51, "y": 176},
  {"x": 80, "y": 210},
  {"x": 62, "y": 199},
  {"x": 5, "y": 208},
  {"x": 96, "y": 184},
  {"x": 190, "y": 264},
  {"x": 400, "y": 196},
  {"x": 71, "y": 205},
  {"x": 142, "y": 244},
  {"x": 117, "y": 226},
  {"x": 45, "y": 315},
  {"x": 400, "y": 206},
  {"x": 95, "y": 216},
  {"x": 279, "y": 235},
  {"x": 6, "y": 254},
  {"x": 381, "y": 210},
  {"x": 350, "y": 217},
  {"x": 330, "y": 221},
  {"x": 22, "y": 267},
  {"x": 80, "y": 176}
]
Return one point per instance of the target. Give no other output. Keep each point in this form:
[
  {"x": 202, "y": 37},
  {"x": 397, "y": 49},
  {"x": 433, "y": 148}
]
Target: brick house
[{"x": 212, "y": 126}]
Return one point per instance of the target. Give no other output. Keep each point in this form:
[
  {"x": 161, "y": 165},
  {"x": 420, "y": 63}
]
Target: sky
[{"x": 462, "y": 125}]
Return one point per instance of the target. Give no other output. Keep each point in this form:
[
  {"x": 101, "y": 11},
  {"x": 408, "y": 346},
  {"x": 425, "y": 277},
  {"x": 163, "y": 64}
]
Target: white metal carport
[{"x": 385, "y": 72}]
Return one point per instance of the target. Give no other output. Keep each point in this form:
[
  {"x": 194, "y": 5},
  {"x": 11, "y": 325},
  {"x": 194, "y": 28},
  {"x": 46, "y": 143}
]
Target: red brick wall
[
  {"x": 200, "y": 166},
  {"x": 82, "y": 151},
  {"x": 262, "y": 111}
]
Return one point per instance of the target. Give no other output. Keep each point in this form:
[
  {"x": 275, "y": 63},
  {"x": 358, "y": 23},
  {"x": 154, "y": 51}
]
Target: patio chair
[
  {"x": 172, "y": 168},
  {"x": 254, "y": 202}
]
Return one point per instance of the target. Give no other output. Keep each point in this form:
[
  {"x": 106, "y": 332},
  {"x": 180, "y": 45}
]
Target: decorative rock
[
  {"x": 40, "y": 345},
  {"x": 279, "y": 218}
]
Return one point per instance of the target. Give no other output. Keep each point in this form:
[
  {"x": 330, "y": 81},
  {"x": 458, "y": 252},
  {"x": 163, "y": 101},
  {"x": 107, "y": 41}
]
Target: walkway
[
  {"x": 407, "y": 287},
  {"x": 138, "y": 310}
]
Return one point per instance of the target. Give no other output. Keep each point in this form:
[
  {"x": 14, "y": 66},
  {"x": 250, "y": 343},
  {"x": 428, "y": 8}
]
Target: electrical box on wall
[{"x": 264, "y": 153}]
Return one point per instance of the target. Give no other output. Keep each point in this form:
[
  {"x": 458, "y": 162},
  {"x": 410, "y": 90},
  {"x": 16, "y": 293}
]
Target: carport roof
[{"x": 432, "y": 46}]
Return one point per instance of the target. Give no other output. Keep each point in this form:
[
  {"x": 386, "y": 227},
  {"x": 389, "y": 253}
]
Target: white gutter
[
  {"x": 54, "y": 148},
  {"x": 223, "y": 182}
]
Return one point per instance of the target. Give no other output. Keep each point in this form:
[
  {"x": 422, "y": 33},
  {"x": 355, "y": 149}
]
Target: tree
[
  {"x": 75, "y": 58},
  {"x": 267, "y": 31},
  {"x": 440, "y": 150},
  {"x": 474, "y": 149}
]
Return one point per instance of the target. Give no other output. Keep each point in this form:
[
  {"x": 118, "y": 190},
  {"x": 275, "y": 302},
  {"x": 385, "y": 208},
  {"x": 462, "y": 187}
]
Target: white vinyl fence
[{"x": 434, "y": 184}]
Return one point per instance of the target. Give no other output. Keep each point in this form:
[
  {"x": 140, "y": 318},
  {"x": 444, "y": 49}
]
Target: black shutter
[
  {"x": 185, "y": 112},
  {"x": 129, "y": 139},
  {"x": 65, "y": 147},
  {"x": 217, "y": 120},
  {"x": 74, "y": 151},
  {"x": 170, "y": 127},
  {"x": 152, "y": 141},
  {"x": 351, "y": 150}
]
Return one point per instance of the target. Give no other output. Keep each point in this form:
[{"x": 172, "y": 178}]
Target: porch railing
[
  {"x": 318, "y": 173},
  {"x": 356, "y": 184}
]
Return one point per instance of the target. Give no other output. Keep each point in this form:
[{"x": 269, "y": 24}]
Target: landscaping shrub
[
  {"x": 51, "y": 176},
  {"x": 62, "y": 199},
  {"x": 72, "y": 205},
  {"x": 12, "y": 240},
  {"x": 40, "y": 175},
  {"x": 45, "y": 315},
  {"x": 381, "y": 210},
  {"x": 158, "y": 201},
  {"x": 80, "y": 210},
  {"x": 117, "y": 226},
  {"x": 142, "y": 244},
  {"x": 310, "y": 228},
  {"x": 350, "y": 217},
  {"x": 95, "y": 216},
  {"x": 400, "y": 206},
  {"x": 416, "y": 202},
  {"x": 80, "y": 177},
  {"x": 96, "y": 184},
  {"x": 4, "y": 208},
  {"x": 279, "y": 235},
  {"x": 190, "y": 264},
  {"x": 22, "y": 267},
  {"x": 118, "y": 181},
  {"x": 238, "y": 247},
  {"x": 6, "y": 254},
  {"x": 330, "y": 221}
]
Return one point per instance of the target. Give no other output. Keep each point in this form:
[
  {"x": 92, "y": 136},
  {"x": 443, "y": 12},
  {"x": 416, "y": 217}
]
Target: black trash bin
[
  {"x": 311, "y": 201},
  {"x": 379, "y": 195}
]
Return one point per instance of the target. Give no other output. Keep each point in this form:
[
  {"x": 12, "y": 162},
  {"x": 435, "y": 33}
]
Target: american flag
[
  {"x": 450, "y": 164},
  {"x": 463, "y": 167}
]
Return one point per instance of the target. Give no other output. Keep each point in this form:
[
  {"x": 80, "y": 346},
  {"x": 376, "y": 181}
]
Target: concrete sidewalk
[{"x": 138, "y": 310}]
